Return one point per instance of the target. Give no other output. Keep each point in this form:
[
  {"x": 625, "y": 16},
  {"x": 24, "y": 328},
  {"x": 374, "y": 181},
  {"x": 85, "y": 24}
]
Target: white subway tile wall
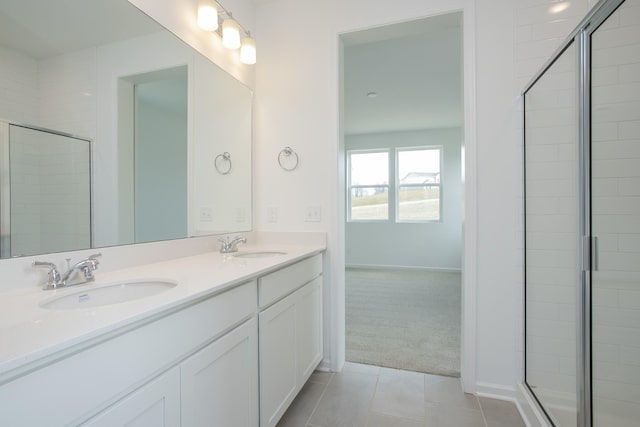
[
  {"x": 46, "y": 93},
  {"x": 50, "y": 208},
  {"x": 615, "y": 191},
  {"x": 67, "y": 93},
  {"x": 551, "y": 238},
  {"x": 541, "y": 26},
  {"x": 18, "y": 87}
]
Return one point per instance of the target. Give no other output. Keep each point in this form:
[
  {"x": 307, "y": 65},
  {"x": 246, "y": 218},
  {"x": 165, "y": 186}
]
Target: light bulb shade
[
  {"x": 230, "y": 34},
  {"x": 207, "y": 15},
  {"x": 248, "y": 51}
]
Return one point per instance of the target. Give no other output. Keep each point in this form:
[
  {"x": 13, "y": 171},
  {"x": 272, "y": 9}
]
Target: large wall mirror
[{"x": 114, "y": 131}]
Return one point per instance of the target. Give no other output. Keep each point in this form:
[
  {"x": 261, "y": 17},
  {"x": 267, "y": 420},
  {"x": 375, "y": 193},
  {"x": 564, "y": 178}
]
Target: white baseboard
[
  {"x": 514, "y": 395},
  {"x": 496, "y": 391},
  {"x": 324, "y": 366},
  {"x": 529, "y": 409},
  {"x": 403, "y": 267}
]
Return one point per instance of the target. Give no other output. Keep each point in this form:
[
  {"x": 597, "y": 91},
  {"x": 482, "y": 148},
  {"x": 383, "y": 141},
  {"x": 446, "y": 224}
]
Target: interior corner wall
[{"x": 431, "y": 245}]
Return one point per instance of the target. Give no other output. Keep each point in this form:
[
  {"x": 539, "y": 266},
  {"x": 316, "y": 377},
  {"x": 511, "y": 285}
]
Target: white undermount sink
[
  {"x": 88, "y": 296},
  {"x": 258, "y": 254}
]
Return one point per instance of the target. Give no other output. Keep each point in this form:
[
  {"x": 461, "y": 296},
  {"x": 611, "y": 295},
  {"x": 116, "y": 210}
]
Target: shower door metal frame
[
  {"x": 5, "y": 192},
  {"x": 581, "y": 36}
]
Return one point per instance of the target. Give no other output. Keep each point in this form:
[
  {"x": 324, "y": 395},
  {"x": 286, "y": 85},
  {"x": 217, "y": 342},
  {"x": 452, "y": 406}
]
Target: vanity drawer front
[
  {"x": 282, "y": 282},
  {"x": 69, "y": 390}
]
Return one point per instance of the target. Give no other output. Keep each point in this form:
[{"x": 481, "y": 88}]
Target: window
[
  {"x": 368, "y": 182},
  {"x": 418, "y": 184},
  {"x": 413, "y": 185}
]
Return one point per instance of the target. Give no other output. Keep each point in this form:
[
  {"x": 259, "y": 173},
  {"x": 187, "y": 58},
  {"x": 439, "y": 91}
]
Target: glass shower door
[
  {"x": 47, "y": 194},
  {"x": 615, "y": 218},
  {"x": 551, "y": 239}
]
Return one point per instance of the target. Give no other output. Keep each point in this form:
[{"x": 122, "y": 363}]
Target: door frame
[{"x": 334, "y": 325}]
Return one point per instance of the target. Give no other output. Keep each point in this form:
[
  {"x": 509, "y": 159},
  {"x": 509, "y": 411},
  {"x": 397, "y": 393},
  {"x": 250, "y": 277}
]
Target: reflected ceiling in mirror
[{"x": 157, "y": 115}]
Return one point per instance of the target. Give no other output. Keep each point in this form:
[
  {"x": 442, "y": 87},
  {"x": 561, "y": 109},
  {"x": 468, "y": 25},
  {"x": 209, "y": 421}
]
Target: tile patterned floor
[{"x": 370, "y": 396}]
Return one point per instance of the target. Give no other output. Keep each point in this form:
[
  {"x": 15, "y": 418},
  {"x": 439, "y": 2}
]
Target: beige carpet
[{"x": 404, "y": 319}]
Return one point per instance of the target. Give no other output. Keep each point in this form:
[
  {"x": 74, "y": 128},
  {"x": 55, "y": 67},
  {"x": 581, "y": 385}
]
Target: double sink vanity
[{"x": 210, "y": 339}]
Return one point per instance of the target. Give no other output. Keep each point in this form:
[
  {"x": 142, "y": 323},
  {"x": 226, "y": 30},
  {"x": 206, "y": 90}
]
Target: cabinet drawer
[{"x": 282, "y": 282}]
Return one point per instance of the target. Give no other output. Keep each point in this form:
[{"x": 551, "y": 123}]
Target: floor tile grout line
[
  {"x": 482, "y": 412},
  {"x": 315, "y": 407},
  {"x": 400, "y": 417},
  {"x": 373, "y": 396},
  {"x": 404, "y": 418}
]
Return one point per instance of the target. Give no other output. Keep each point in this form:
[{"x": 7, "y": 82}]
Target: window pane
[
  {"x": 369, "y": 203},
  {"x": 419, "y": 166},
  {"x": 369, "y": 168},
  {"x": 419, "y": 204}
]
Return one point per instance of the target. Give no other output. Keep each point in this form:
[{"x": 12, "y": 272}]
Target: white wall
[
  {"x": 219, "y": 101},
  {"x": 142, "y": 56},
  {"x": 297, "y": 104},
  {"x": 435, "y": 244}
]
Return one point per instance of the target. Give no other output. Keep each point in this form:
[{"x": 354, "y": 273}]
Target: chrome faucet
[
  {"x": 56, "y": 280},
  {"x": 229, "y": 246}
]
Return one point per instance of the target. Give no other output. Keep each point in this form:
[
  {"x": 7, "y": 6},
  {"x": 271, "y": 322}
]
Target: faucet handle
[
  {"x": 55, "y": 279},
  {"x": 94, "y": 260}
]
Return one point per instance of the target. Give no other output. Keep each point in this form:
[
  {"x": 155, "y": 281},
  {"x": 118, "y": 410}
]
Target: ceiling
[
  {"x": 55, "y": 27},
  {"x": 415, "y": 68}
]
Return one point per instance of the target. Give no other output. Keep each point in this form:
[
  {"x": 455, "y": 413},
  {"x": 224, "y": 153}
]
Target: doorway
[{"x": 403, "y": 133}]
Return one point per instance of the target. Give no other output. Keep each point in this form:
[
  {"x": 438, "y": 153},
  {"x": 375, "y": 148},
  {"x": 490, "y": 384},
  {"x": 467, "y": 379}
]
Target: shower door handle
[{"x": 595, "y": 253}]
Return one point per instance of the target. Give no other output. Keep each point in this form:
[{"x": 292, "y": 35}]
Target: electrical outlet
[
  {"x": 312, "y": 214},
  {"x": 206, "y": 214},
  {"x": 272, "y": 214}
]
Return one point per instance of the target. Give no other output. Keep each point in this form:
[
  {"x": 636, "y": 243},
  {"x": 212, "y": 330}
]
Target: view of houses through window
[{"x": 412, "y": 183}]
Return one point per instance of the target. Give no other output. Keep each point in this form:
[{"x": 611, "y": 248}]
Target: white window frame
[
  {"x": 350, "y": 187},
  {"x": 399, "y": 186}
]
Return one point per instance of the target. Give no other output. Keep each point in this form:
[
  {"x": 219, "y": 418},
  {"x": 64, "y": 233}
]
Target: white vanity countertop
[{"x": 29, "y": 333}]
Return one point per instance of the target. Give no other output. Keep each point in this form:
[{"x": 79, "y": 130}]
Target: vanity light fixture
[
  {"x": 248, "y": 50},
  {"x": 234, "y": 36},
  {"x": 208, "y": 15},
  {"x": 230, "y": 33}
]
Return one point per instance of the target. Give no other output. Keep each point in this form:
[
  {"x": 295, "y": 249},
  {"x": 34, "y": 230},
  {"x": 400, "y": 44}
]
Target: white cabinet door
[
  {"x": 156, "y": 404},
  {"x": 278, "y": 385},
  {"x": 308, "y": 329},
  {"x": 290, "y": 349},
  {"x": 220, "y": 382}
]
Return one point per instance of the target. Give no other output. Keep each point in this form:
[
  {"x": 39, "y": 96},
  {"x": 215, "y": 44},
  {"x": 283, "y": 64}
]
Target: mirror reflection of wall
[
  {"x": 110, "y": 82},
  {"x": 155, "y": 138},
  {"x": 161, "y": 158},
  {"x": 46, "y": 191}
]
